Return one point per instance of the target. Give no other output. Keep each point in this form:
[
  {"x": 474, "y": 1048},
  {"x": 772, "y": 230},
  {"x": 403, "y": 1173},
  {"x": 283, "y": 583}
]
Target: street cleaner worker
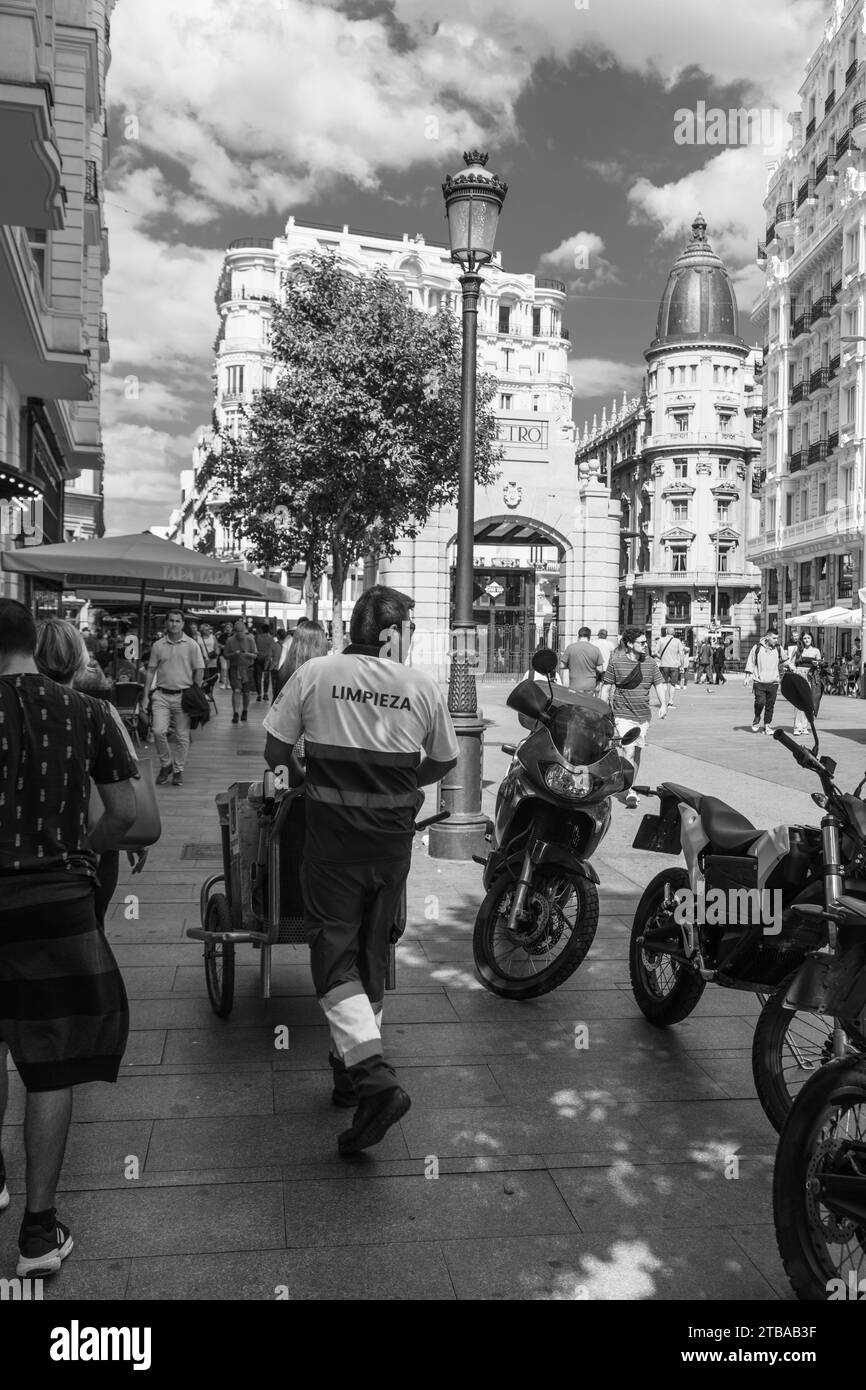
[{"x": 375, "y": 731}]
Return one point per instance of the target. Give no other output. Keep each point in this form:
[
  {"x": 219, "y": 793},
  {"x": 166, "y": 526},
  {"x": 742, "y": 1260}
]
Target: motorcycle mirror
[
  {"x": 529, "y": 698},
  {"x": 629, "y": 737},
  {"x": 796, "y": 691},
  {"x": 829, "y": 764},
  {"x": 544, "y": 661}
]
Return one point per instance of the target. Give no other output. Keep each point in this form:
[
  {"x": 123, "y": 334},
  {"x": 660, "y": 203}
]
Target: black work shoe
[
  {"x": 177, "y": 779},
  {"x": 42, "y": 1249},
  {"x": 244, "y": 717},
  {"x": 373, "y": 1118},
  {"x": 5, "y": 1199},
  {"x": 234, "y": 719},
  {"x": 163, "y": 775}
]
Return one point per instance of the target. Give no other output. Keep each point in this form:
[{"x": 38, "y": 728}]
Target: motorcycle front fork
[{"x": 524, "y": 883}]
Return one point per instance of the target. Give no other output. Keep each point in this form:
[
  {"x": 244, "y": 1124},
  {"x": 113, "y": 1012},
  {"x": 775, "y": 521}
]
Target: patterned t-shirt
[{"x": 52, "y": 741}]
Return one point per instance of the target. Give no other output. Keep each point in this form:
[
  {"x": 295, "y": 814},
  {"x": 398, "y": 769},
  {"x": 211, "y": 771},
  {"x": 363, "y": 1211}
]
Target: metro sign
[{"x": 529, "y": 434}]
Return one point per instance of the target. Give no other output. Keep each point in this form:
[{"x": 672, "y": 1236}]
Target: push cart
[{"x": 257, "y": 897}]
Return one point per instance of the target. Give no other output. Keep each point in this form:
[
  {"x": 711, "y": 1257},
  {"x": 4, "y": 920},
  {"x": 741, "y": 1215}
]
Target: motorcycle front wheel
[
  {"x": 788, "y": 1048},
  {"x": 559, "y": 927},
  {"x": 821, "y": 1165},
  {"x": 665, "y": 990}
]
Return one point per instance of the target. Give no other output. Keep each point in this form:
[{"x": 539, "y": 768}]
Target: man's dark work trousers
[
  {"x": 349, "y": 910},
  {"x": 765, "y": 700}
]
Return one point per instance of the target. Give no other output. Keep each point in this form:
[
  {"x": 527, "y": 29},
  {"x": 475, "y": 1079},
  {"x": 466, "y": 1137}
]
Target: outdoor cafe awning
[{"x": 131, "y": 562}]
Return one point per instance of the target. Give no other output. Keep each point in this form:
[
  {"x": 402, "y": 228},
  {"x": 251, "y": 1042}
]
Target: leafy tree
[{"x": 357, "y": 441}]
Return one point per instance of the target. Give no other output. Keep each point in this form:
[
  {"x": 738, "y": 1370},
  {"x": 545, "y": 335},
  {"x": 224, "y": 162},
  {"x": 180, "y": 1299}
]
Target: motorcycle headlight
[{"x": 559, "y": 779}]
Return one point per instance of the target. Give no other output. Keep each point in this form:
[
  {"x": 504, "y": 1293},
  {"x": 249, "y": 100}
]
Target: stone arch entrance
[{"x": 519, "y": 572}]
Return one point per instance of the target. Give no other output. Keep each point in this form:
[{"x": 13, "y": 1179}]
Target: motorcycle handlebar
[{"x": 805, "y": 759}]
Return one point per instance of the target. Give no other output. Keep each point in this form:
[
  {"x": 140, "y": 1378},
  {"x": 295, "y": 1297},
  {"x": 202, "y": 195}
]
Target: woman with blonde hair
[{"x": 307, "y": 640}]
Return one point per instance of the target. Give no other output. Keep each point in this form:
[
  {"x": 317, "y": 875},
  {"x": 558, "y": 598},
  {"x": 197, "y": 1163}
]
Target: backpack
[{"x": 194, "y": 702}]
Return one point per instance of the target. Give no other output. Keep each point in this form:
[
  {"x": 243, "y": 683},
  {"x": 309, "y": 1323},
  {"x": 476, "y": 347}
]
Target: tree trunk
[
  {"x": 311, "y": 594},
  {"x": 337, "y": 580}
]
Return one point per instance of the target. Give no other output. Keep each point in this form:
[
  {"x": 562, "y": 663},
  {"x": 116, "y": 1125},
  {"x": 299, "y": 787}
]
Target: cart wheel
[{"x": 219, "y": 957}]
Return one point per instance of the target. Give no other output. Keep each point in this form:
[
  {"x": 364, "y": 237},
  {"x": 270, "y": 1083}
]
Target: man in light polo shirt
[
  {"x": 176, "y": 662},
  {"x": 375, "y": 732},
  {"x": 584, "y": 662}
]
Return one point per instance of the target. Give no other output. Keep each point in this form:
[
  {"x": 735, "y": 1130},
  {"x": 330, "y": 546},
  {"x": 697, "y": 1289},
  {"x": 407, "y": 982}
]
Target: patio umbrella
[{"x": 135, "y": 563}]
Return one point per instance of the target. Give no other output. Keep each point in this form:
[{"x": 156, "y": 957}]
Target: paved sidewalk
[{"x": 563, "y": 1172}]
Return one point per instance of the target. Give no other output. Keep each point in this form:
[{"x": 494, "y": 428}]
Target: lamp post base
[{"x": 463, "y": 834}]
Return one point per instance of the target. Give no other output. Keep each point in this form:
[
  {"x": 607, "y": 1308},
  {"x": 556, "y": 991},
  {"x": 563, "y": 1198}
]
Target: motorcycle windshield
[{"x": 581, "y": 728}]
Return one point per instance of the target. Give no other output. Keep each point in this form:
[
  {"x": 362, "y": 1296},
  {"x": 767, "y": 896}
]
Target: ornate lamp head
[{"x": 473, "y": 202}]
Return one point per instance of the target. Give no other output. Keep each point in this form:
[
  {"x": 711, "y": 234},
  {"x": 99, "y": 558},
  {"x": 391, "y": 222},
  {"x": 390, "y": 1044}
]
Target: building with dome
[{"x": 678, "y": 458}]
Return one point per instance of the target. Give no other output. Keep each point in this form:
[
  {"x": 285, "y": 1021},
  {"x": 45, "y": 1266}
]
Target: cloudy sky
[{"x": 227, "y": 115}]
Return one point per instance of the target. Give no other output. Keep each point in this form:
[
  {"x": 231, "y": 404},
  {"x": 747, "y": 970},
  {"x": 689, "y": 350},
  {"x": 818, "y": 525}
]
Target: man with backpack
[
  {"x": 670, "y": 659},
  {"x": 764, "y": 666}
]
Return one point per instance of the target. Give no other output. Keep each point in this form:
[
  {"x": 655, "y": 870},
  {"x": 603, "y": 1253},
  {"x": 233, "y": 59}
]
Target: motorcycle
[
  {"x": 683, "y": 936},
  {"x": 819, "y": 1182},
  {"x": 540, "y": 914}
]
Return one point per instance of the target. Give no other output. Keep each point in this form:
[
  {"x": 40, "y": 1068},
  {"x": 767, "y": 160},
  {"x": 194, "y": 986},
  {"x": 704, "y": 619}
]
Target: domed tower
[{"x": 692, "y": 503}]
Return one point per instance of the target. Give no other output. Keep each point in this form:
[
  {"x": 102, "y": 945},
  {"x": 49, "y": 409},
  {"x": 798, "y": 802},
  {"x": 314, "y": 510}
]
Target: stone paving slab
[
  {"x": 634, "y": 1199},
  {"x": 98, "y": 1147},
  {"x": 510, "y": 1129},
  {"x": 431, "y": 1088},
  {"x": 228, "y": 1141},
  {"x": 586, "y": 1075},
  {"x": 702, "y": 1264}
]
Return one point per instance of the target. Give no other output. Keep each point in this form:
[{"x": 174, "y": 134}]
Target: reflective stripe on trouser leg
[{"x": 354, "y": 1029}]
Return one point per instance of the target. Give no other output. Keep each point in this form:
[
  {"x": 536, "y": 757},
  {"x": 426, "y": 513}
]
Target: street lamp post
[{"x": 473, "y": 202}]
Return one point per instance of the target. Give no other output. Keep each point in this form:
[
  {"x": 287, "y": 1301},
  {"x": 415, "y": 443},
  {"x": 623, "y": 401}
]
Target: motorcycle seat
[{"x": 726, "y": 830}]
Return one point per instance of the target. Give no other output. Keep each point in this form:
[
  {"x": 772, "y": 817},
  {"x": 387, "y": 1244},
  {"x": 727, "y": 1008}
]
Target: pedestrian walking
[
  {"x": 307, "y": 640},
  {"x": 376, "y": 731},
  {"x": 240, "y": 654},
  {"x": 584, "y": 663},
  {"x": 175, "y": 663},
  {"x": 807, "y": 661},
  {"x": 705, "y": 661},
  {"x": 764, "y": 667},
  {"x": 719, "y": 657},
  {"x": 223, "y": 636},
  {"x": 63, "y": 1008},
  {"x": 265, "y": 653},
  {"x": 630, "y": 676},
  {"x": 605, "y": 646},
  {"x": 670, "y": 657}
]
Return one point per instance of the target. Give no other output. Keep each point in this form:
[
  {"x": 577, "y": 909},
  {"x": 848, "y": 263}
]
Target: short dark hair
[
  {"x": 584, "y": 632},
  {"x": 631, "y": 634},
  {"x": 602, "y": 632},
  {"x": 377, "y": 609},
  {"x": 175, "y": 613},
  {"x": 664, "y": 632},
  {"x": 17, "y": 629}
]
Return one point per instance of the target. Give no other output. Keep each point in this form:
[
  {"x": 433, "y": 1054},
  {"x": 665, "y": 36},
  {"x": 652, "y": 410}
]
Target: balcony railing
[
  {"x": 805, "y": 591},
  {"x": 103, "y": 328},
  {"x": 91, "y": 184},
  {"x": 785, "y": 212},
  {"x": 819, "y": 450},
  {"x": 795, "y": 462},
  {"x": 835, "y": 363},
  {"x": 810, "y": 128},
  {"x": 833, "y": 441},
  {"x": 821, "y": 171},
  {"x": 842, "y": 143},
  {"x": 821, "y": 309},
  {"x": 797, "y": 392},
  {"x": 771, "y": 233},
  {"x": 858, "y": 114},
  {"x": 806, "y": 191},
  {"x": 819, "y": 379},
  {"x": 256, "y": 243},
  {"x": 836, "y": 289},
  {"x": 844, "y": 588},
  {"x": 762, "y": 252},
  {"x": 798, "y": 326},
  {"x": 671, "y": 438},
  {"x": 543, "y": 282},
  {"x": 829, "y": 103},
  {"x": 851, "y": 72}
]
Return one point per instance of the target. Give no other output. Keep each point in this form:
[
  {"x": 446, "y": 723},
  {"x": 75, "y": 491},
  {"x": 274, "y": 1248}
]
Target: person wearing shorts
[
  {"x": 670, "y": 660},
  {"x": 627, "y": 682},
  {"x": 63, "y": 1008},
  {"x": 240, "y": 653}
]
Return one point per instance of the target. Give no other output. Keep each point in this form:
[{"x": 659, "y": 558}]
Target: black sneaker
[
  {"x": 177, "y": 779},
  {"x": 163, "y": 775},
  {"x": 5, "y": 1199},
  {"x": 234, "y": 719},
  {"x": 42, "y": 1249},
  {"x": 373, "y": 1118},
  {"x": 244, "y": 717}
]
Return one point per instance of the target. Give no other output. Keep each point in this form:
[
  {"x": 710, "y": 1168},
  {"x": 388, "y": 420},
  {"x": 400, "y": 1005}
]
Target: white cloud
[
  {"x": 580, "y": 259},
  {"x": 728, "y": 190},
  {"x": 599, "y": 376},
  {"x": 141, "y": 476}
]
